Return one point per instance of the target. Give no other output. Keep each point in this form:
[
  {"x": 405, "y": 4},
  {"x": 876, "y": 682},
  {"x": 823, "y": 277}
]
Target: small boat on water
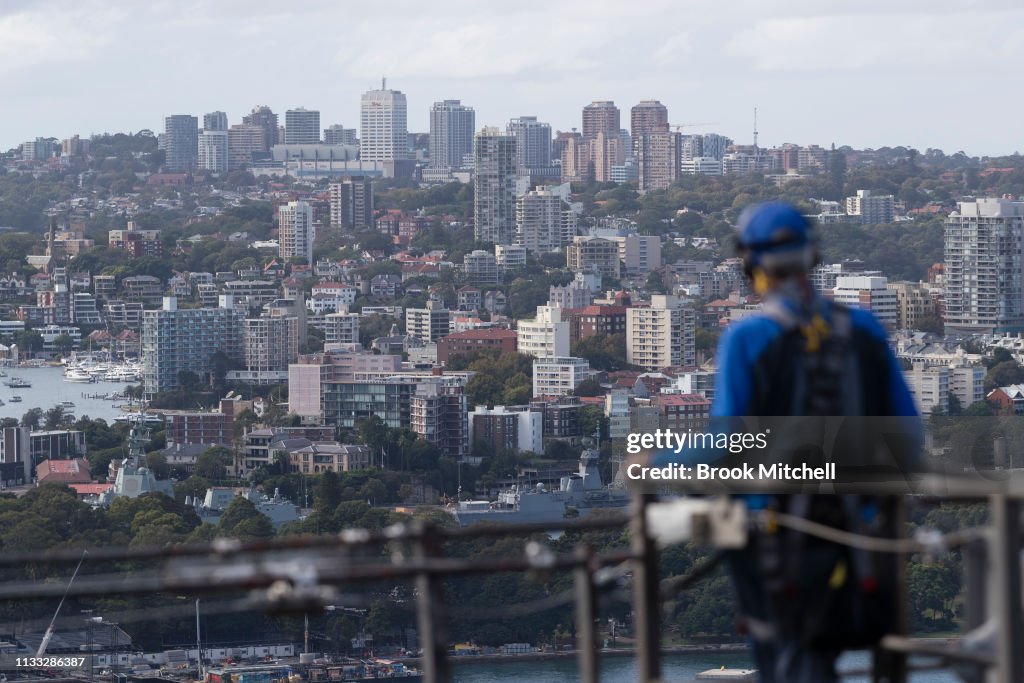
[
  {"x": 15, "y": 399},
  {"x": 67, "y": 404},
  {"x": 18, "y": 383}
]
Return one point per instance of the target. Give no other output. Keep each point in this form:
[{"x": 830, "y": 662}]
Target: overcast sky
[{"x": 872, "y": 73}]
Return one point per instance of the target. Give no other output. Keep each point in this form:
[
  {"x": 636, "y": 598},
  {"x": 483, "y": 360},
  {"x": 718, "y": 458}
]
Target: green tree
[
  {"x": 242, "y": 519},
  {"x": 213, "y": 463},
  {"x": 63, "y": 344},
  {"x": 32, "y": 419}
]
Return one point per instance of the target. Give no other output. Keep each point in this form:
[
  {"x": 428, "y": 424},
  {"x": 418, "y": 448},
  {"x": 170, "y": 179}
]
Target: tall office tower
[
  {"x": 295, "y": 230},
  {"x": 181, "y": 133},
  {"x": 263, "y": 117},
  {"x": 215, "y": 120},
  {"x": 660, "y": 335},
  {"x": 301, "y": 127},
  {"x": 600, "y": 116},
  {"x": 213, "y": 151},
  {"x": 984, "y": 287},
  {"x": 243, "y": 140},
  {"x": 352, "y": 204},
  {"x": 692, "y": 147},
  {"x": 176, "y": 341},
  {"x": 383, "y": 133},
  {"x": 452, "y": 125},
  {"x": 533, "y": 142},
  {"x": 340, "y": 135},
  {"x": 658, "y": 158},
  {"x": 544, "y": 222},
  {"x": 494, "y": 186}
]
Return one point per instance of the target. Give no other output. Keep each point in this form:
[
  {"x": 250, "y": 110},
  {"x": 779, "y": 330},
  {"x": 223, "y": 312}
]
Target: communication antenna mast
[{"x": 755, "y": 129}]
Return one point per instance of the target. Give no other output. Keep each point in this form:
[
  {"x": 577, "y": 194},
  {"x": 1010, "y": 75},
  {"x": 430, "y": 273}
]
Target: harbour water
[
  {"x": 49, "y": 388},
  {"x": 677, "y": 668}
]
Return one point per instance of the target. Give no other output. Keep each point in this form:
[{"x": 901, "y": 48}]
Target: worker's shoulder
[{"x": 750, "y": 335}]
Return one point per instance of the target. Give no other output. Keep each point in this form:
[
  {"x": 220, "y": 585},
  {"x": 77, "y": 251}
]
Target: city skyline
[{"x": 865, "y": 76}]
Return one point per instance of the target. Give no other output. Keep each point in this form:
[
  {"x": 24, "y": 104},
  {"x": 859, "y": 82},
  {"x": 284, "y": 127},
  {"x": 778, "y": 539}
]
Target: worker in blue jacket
[{"x": 801, "y": 355}]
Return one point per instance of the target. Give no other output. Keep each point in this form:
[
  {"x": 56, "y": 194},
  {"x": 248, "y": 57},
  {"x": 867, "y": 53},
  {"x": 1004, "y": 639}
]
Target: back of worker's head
[{"x": 775, "y": 241}]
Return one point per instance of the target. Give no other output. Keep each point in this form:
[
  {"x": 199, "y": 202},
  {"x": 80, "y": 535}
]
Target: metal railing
[{"x": 313, "y": 567}]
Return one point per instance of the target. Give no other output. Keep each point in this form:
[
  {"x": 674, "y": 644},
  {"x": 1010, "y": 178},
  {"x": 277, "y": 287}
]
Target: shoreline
[{"x": 491, "y": 658}]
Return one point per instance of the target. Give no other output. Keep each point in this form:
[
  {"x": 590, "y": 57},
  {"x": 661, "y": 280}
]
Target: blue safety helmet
[{"x": 775, "y": 237}]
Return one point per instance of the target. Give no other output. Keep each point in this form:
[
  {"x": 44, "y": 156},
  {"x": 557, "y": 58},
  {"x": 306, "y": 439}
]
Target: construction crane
[
  {"x": 49, "y": 631},
  {"x": 679, "y": 126}
]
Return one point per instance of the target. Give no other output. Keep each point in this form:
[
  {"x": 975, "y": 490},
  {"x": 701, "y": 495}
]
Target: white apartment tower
[
  {"x": 384, "y": 133},
  {"x": 544, "y": 222},
  {"x": 984, "y": 278},
  {"x": 452, "y": 125},
  {"x": 301, "y": 127},
  {"x": 213, "y": 151},
  {"x": 296, "y": 231},
  {"x": 494, "y": 186},
  {"x": 661, "y": 335},
  {"x": 546, "y": 336}
]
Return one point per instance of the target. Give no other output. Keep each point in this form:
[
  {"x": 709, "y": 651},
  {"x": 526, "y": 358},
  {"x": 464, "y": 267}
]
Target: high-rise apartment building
[
  {"x": 606, "y": 152},
  {"x": 544, "y": 222},
  {"x": 341, "y": 328},
  {"x": 533, "y": 142},
  {"x": 984, "y": 276},
  {"x": 215, "y": 120},
  {"x": 266, "y": 119},
  {"x": 181, "y": 138},
  {"x": 600, "y": 116},
  {"x": 714, "y": 145},
  {"x": 302, "y": 127},
  {"x": 243, "y": 140},
  {"x": 575, "y": 158},
  {"x": 338, "y": 134},
  {"x": 660, "y": 335},
  {"x": 870, "y": 293},
  {"x": 271, "y": 342},
  {"x": 546, "y": 336},
  {"x": 649, "y": 116},
  {"x": 871, "y": 208},
  {"x": 296, "y": 231},
  {"x": 593, "y": 255},
  {"x": 427, "y": 324},
  {"x": 383, "y": 130},
  {"x": 214, "y": 151},
  {"x": 352, "y": 204},
  {"x": 658, "y": 158},
  {"x": 494, "y": 186},
  {"x": 452, "y": 125},
  {"x": 176, "y": 341}
]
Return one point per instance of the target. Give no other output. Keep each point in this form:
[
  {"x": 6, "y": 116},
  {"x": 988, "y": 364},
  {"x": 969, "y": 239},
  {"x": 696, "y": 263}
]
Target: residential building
[
  {"x": 573, "y": 295},
  {"x": 606, "y": 153},
  {"x": 439, "y": 414},
  {"x": 869, "y": 294},
  {"x": 427, "y": 324},
  {"x": 214, "y": 151},
  {"x": 660, "y": 335},
  {"x": 546, "y": 336},
  {"x": 682, "y": 413},
  {"x": 915, "y": 302},
  {"x": 181, "y": 135},
  {"x": 616, "y": 409},
  {"x": 515, "y": 428},
  {"x": 575, "y": 159},
  {"x": 649, "y": 116},
  {"x": 337, "y": 134},
  {"x": 559, "y": 376},
  {"x": 591, "y": 320},
  {"x": 352, "y": 204},
  {"x": 593, "y": 254},
  {"x": 871, "y": 208},
  {"x": 544, "y": 221},
  {"x": 301, "y": 127},
  {"x": 600, "y": 116},
  {"x": 176, "y": 341},
  {"x": 244, "y": 140},
  {"x": 469, "y": 298},
  {"x": 61, "y": 471},
  {"x": 215, "y": 121},
  {"x": 136, "y": 241},
  {"x": 452, "y": 125},
  {"x": 470, "y": 341},
  {"x": 929, "y": 386},
  {"x": 639, "y": 254},
  {"x": 341, "y": 328},
  {"x": 203, "y": 428},
  {"x": 271, "y": 342},
  {"x": 494, "y": 187},
  {"x": 510, "y": 256},
  {"x": 658, "y": 159},
  {"x": 384, "y": 135},
  {"x": 329, "y": 456},
  {"x": 296, "y": 230},
  {"x": 533, "y": 143},
  {"x": 984, "y": 277},
  {"x": 266, "y": 119},
  {"x": 481, "y": 268}
]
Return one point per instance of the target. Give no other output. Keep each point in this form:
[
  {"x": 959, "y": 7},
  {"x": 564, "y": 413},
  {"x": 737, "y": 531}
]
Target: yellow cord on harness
[{"x": 815, "y": 333}]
